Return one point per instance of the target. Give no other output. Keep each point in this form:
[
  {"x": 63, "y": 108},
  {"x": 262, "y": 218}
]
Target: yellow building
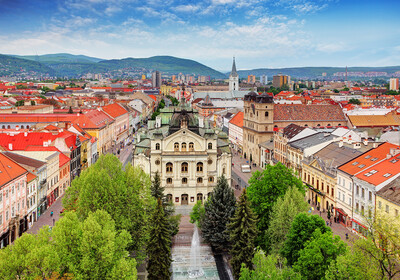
[{"x": 388, "y": 199}]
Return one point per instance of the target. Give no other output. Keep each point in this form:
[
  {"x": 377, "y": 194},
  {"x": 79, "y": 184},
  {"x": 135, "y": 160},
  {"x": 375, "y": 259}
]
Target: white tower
[{"x": 233, "y": 78}]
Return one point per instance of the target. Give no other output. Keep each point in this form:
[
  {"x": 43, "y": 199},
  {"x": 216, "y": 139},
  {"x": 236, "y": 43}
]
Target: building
[
  {"x": 236, "y": 132},
  {"x": 388, "y": 199},
  {"x": 156, "y": 79},
  {"x": 188, "y": 155},
  {"x": 121, "y": 124},
  {"x": 394, "y": 84},
  {"x": 251, "y": 79},
  {"x": 280, "y": 80},
  {"x": 13, "y": 210},
  {"x": 31, "y": 198},
  {"x": 263, "y": 80},
  {"x": 233, "y": 78}
]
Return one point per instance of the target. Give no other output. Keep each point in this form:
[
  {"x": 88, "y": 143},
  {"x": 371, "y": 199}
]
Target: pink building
[{"x": 13, "y": 211}]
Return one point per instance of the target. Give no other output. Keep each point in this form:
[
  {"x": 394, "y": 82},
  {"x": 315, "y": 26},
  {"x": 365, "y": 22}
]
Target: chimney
[
  {"x": 25, "y": 133},
  {"x": 45, "y": 144},
  {"x": 365, "y": 142},
  {"x": 201, "y": 122},
  {"x": 357, "y": 145},
  {"x": 10, "y": 146},
  {"x": 388, "y": 156},
  {"x": 138, "y": 137},
  {"x": 375, "y": 144},
  {"x": 341, "y": 143}
]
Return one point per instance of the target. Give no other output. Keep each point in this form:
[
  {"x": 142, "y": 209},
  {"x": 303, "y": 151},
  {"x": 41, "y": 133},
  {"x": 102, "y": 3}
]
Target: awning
[
  {"x": 341, "y": 211},
  {"x": 314, "y": 189}
]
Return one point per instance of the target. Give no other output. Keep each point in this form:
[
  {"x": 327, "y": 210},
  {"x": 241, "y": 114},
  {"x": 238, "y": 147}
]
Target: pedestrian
[
  {"x": 330, "y": 222},
  {"x": 54, "y": 220},
  {"x": 51, "y": 214},
  {"x": 347, "y": 236},
  {"x": 327, "y": 223}
]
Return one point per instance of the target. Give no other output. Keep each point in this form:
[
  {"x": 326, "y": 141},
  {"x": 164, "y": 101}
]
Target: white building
[{"x": 236, "y": 132}]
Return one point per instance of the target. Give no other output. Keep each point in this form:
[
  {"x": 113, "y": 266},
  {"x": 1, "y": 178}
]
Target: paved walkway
[{"x": 45, "y": 218}]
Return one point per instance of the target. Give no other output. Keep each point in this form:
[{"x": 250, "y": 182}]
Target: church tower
[{"x": 233, "y": 78}]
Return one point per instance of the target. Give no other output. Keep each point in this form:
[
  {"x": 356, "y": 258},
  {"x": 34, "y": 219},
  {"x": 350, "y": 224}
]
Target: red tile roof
[
  {"x": 63, "y": 159},
  {"x": 94, "y": 119},
  {"x": 37, "y": 118},
  {"x": 238, "y": 119},
  {"x": 301, "y": 112},
  {"x": 114, "y": 110},
  {"x": 30, "y": 177},
  {"x": 9, "y": 170}
]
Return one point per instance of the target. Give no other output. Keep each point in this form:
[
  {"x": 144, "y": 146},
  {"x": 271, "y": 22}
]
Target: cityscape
[{"x": 132, "y": 149}]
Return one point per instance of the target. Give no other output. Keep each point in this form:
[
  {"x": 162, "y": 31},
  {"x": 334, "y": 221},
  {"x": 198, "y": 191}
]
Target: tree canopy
[{"x": 264, "y": 190}]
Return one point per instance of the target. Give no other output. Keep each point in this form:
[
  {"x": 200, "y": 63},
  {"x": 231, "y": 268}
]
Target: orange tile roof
[
  {"x": 238, "y": 119},
  {"x": 9, "y": 170},
  {"x": 367, "y": 159},
  {"x": 114, "y": 110},
  {"x": 30, "y": 177},
  {"x": 374, "y": 120},
  {"x": 93, "y": 119}
]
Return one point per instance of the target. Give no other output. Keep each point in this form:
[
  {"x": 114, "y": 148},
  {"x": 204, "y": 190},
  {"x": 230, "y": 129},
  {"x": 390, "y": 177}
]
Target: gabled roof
[
  {"x": 292, "y": 130},
  {"x": 93, "y": 119},
  {"x": 375, "y": 120},
  {"x": 9, "y": 170},
  {"x": 391, "y": 192},
  {"x": 238, "y": 119},
  {"x": 114, "y": 110},
  {"x": 30, "y": 177},
  {"x": 23, "y": 160},
  {"x": 367, "y": 159},
  {"x": 301, "y": 112}
]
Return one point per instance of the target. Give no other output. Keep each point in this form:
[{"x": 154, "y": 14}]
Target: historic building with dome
[{"x": 188, "y": 155}]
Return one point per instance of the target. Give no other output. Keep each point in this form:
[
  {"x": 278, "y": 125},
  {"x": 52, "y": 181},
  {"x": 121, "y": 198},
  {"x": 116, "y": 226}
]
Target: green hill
[
  {"x": 60, "y": 58},
  {"x": 13, "y": 66}
]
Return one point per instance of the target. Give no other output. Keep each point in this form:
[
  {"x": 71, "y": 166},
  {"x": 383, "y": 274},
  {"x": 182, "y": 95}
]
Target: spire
[{"x": 234, "y": 73}]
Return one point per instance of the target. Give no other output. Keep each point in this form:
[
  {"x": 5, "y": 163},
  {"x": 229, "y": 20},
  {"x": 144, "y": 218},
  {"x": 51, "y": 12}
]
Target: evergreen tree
[
  {"x": 156, "y": 190},
  {"x": 219, "y": 208},
  {"x": 158, "y": 248},
  {"x": 243, "y": 231}
]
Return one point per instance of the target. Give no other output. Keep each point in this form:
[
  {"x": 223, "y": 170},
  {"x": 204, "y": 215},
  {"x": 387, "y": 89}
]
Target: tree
[
  {"x": 268, "y": 267},
  {"x": 318, "y": 254},
  {"x": 243, "y": 232},
  {"x": 283, "y": 213},
  {"x": 197, "y": 213},
  {"x": 264, "y": 190},
  {"x": 33, "y": 102},
  {"x": 301, "y": 231},
  {"x": 92, "y": 249},
  {"x": 354, "y": 101},
  {"x": 218, "y": 210},
  {"x": 156, "y": 190},
  {"x": 124, "y": 194},
  {"x": 158, "y": 248}
]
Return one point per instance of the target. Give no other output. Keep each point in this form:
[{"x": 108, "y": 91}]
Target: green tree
[
  {"x": 218, "y": 210},
  {"x": 354, "y": 101},
  {"x": 124, "y": 194},
  {"x": 197, "y": 213},
  {"x": 301, "y": 231},
  {"x": 33, "y": 102},
  {"x": 336, "y": 91},
  {"x": 158, "y": 248},
  {"x": 318, "y": 254},
  {"x": 93, "y": 249},
  {"x": 283, "y": 213},
  {"x": 156, "y": 190},
  {"x": 268, "y": 267},
  {"x": 243, "y": 232},
  {"x": 264, "y": 190}
]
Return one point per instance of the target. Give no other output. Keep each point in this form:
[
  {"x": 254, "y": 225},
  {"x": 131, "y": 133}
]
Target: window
[
  {"x": 176, "y": 147},
  {"x": 184, "y": 180},
  {"x": 169, "y": 180},
  {"x": 266, "y": 114},
  {"x": 209, "y": 146},
  {"x": 358, "y": 190},
  {"x": 211, "y": 179},
  {"x": 223, "y": 170},
  {"x": 362, "y": 193},
  {"x": 169, "y": 167},
  {"x": 394, "y": 160},
  {"x": 396, "y": 212},
  {"x": 157, "y": 146},
  {"x": 380, "y": 204},
  {"x": 199, "y": 167},
  {"x": 355, "y": 163},
  {"x": 199, "y": 180},
  {"x": 1, "y": 197},
  {"x": 184, "y": 167},
  {"x": 368, "y": 156},
  {"x": 387, "y": 175},
  {"x": 340, "y": 180},
  {"x": 387, "y": 208},
  {"x": 12, "y": 190},
  {"x": 184, "y": 146},
  {"x": 349, "y": 201},
  {"x": 343, "y": 198},
  {"x": 191, "y": 146},
  {"x": 1, "y": 219},
  {"x": 362, "y": 209},
  {"x": 370, "y": 196},
  {"x": 361, "y": 166}
]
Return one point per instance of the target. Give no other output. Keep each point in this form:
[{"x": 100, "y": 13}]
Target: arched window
[
  {"x": 200, "y": 180},
  {"x": 169, "y": 167},
  {"x": 191, "y": 146},
  {"x": 306, "y": 125},
  {"x": 184, "y": 180},
  {"x": 266, "y": 114},
  {"x": 22, "y": 127},
  {"x": 339, "y": 124},
  {"x": 211, "y": 179},
  {"x": 209, "y": 146},
  {"x": 169, "y": 197},
  {"x": 200, "y": 197},
  {"x": 318, "y": 125},
  {"x": 3, "y": 127},
  {"x": 176, "y": 146},
  {"x": 329, "y": 124},
  {"x": 27, "y": 126},
  {"x": 199, "y": 167},
  {"x": 8, "y": 126},
  {"x": 157, "y": 146},
  {"x": 169, "y": 180},
  {"x": 184, "y": 146},
  {"x": 185, "y": 167},
  {"x": 223, "y": 170}
]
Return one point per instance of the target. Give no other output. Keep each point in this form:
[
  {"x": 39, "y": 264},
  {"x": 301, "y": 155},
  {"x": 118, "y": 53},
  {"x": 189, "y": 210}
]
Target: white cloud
[{"x": 187, "y": 8}]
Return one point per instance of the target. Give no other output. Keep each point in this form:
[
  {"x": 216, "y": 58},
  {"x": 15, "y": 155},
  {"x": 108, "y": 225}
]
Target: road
[{"x": 240, "y": 178}]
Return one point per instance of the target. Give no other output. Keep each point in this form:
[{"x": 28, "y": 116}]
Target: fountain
[{"x": 195, "y": 269}]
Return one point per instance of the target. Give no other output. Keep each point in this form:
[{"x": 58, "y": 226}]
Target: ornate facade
[{"x": 187, "y": 154}]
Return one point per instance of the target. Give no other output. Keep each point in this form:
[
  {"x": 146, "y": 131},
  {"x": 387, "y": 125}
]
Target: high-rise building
[
  {"x": 156, "y": 79},
  {"x": 280, "y": 80},
  {"x": 143, "y": 77},
  {"x": 251, "y": 79},
  {"x": 263, "y": 79},
  {"x": 394, "y": 84},
  {"x": 233, "y": 78}
]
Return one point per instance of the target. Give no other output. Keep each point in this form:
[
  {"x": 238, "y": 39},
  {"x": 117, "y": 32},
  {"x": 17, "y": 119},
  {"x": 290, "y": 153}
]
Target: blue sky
[{"x": 260, "y": 34}]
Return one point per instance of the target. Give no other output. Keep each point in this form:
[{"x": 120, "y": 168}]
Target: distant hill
[
  {"x": 312, "y": 72},
  {"x": 13, "y": 66},
  {"x": 64, "y": 64}
]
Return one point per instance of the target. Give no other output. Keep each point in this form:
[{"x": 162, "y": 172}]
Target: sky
[{"x": 260, "y": 34}]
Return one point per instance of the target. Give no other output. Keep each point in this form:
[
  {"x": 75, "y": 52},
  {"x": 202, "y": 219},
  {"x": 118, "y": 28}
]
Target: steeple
[{"x": 233, "y": 72}]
